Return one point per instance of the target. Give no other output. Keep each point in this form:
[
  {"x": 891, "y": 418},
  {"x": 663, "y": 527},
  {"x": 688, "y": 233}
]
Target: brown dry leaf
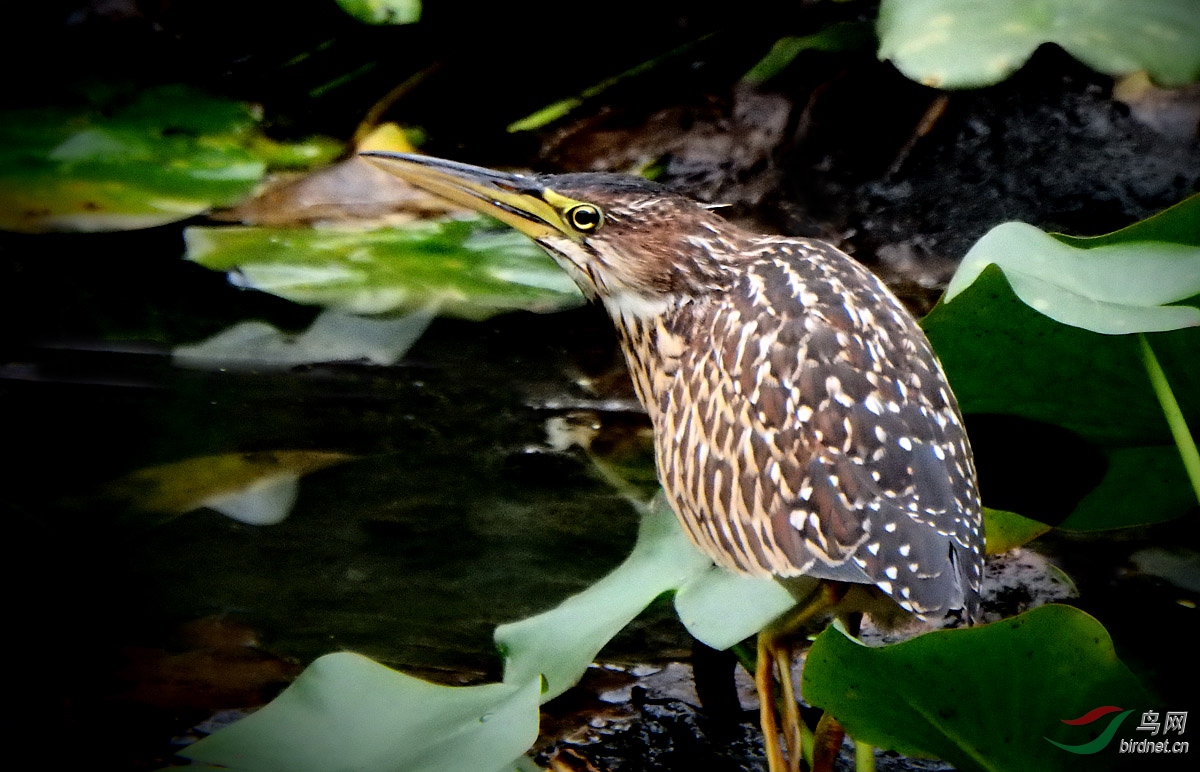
[{"x": 351, "y": 190}]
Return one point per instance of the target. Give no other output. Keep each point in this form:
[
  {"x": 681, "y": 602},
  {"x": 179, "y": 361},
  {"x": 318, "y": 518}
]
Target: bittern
[{"x": 803, "y": 425}]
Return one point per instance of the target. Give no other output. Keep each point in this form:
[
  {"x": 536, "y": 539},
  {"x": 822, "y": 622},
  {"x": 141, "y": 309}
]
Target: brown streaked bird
[{"x": 803, "y": 425}]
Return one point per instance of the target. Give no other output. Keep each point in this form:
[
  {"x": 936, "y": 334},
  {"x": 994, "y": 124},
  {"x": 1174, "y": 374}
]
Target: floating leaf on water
[
  {"x": 266, "y": 501},
  {"x": 134, "y": 161},
  {"x": 347, "y": 712},
  {"x": 332, "y": 337},
  {"x": 464, "y": 268},
  {"x": 253, "y": 487}
]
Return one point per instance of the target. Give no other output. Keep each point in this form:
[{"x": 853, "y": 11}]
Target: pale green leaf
[
  {"x": 1111, "y": 289},
  {"x": 973, "y": 43},
  {"x": 720, "y": 608},
  {"x": 1003, "y": 357},
  {"x": 333, "y": 336},
  {"x": 560, "y": 644},
  {"x": 346, "y": 712},
  {"x": 464, "y": 268},
  {"x": 267, "y": 501}
]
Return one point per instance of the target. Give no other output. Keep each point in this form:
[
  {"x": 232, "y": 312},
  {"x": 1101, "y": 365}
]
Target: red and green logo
[{"x": 1091, "y": 717}]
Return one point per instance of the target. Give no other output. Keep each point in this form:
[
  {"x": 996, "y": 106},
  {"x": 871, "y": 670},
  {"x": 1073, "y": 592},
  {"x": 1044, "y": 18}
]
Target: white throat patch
[{"x": 630, "y": 304}]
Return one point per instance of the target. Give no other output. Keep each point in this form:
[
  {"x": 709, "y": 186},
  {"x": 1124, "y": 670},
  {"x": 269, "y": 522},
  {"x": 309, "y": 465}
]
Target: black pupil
[{"x": 585, "y": 217}]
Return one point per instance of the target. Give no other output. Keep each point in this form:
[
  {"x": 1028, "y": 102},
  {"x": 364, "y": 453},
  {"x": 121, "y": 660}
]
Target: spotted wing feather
[{"x": 810, "y": 429}]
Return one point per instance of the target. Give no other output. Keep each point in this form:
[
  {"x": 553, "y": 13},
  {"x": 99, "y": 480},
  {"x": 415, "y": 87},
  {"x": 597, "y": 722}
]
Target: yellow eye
[{"x": 585, "y": 218}]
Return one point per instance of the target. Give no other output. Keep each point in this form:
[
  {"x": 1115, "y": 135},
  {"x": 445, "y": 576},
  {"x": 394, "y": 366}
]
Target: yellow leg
[
  {"x": 775, "y": 662},
  {"x": 764, "y": 680},
  {"x": 791, "y": 706}
]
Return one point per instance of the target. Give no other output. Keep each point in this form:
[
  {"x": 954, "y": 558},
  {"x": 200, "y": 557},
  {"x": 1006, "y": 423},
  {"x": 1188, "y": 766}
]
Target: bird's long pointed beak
[{"x": 511, "y": 198}]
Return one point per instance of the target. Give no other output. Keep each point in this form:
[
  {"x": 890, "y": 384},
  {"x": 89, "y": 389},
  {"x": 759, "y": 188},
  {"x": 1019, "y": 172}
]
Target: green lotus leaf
[
  {"x": 347, "y": 712},
  {"x": 992, "y": 698},
  {"x": 973, "y": 43},
  {"x": 134, "y": 160},
  {"x": 465, "y": 268}
]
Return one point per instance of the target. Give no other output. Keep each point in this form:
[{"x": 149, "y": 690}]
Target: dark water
[{"x": 453, "y": 516}]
